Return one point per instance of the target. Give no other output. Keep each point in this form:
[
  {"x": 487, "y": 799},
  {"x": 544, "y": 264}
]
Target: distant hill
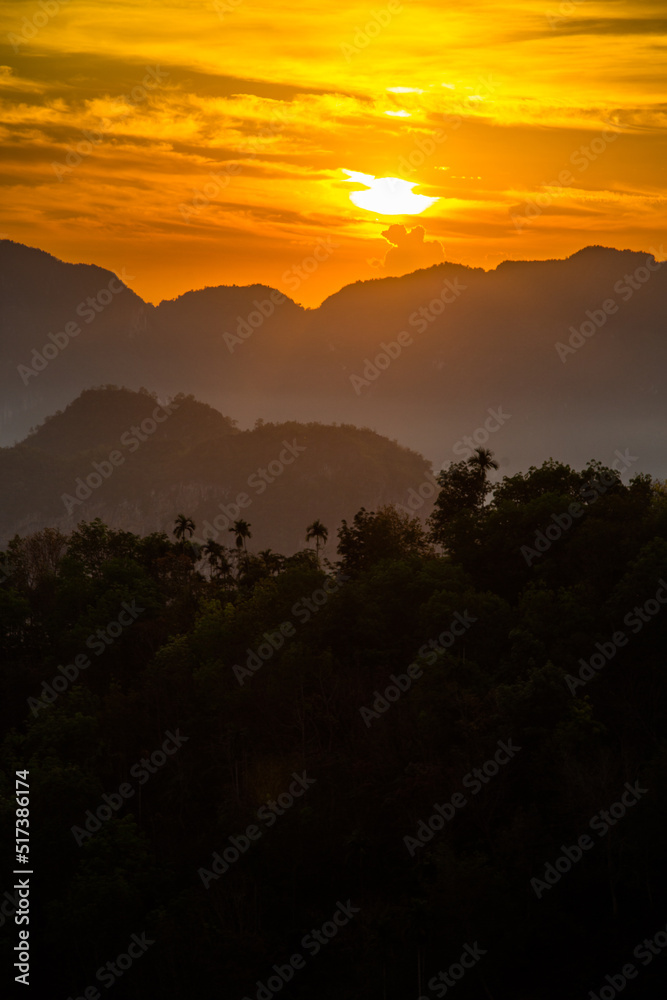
[
  {"x": 136, "y": 463},
  {"x": 473, "y": 340}
]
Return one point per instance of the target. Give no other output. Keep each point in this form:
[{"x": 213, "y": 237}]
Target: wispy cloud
[{"x": 275, "y": 97}]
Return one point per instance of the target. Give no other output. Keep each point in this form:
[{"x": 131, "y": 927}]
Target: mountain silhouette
[
  {"x": 472, "y": 341},
  {"x": 136, "y": 462}
]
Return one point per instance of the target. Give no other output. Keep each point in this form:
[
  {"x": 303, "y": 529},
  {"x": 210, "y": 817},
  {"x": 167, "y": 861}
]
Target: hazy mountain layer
[
  {"x": 124, "y": 457},
  {"x": 573, "y": 351}
]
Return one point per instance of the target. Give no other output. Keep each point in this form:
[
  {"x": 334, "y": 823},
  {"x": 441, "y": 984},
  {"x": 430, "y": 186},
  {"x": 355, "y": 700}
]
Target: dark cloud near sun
[
  {"x": 410, "y": 250},
  {"x": 615, "y": 26},
  {"x": 562, "y": 24},
  {"x": 83, "y": 75}
]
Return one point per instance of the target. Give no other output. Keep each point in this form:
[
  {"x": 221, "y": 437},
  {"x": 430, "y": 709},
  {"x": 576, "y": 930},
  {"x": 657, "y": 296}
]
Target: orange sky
[{"x": 203, "y": 143}]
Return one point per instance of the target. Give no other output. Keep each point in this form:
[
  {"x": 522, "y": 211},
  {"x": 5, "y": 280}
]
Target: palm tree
[
  {"x": 273, "y": 562},
  {"x": 183, "y": 526},
  {"x": 483, "y": 460},
  {"x": 217, "y": 559},
  {"x": 242, "y": 531},
  {"x": 317, "y": 531}
]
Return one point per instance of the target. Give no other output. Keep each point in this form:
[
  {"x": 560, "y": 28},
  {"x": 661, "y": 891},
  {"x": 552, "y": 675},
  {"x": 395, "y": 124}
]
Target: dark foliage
[{"x": 264, "y": 663}]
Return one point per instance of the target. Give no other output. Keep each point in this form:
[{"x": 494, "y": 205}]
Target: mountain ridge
[
  {"x": 136, "y": 461},
  {"x": 589, "y": 249},
  {"x": 488, "y": 338}
]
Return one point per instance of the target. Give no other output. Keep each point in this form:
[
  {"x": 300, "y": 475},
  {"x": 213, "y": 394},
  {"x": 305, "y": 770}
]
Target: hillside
[
  {"x": 473, "y": 340},
  {"x": 137, "y": 464}
]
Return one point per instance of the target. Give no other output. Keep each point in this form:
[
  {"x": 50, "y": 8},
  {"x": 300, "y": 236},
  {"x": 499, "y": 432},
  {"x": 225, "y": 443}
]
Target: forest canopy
[{"x": 227, "y": 746}]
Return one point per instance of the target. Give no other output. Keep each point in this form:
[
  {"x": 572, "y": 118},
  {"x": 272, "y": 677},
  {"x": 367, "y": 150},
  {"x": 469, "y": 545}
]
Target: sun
[{"x": 387, "y": 195}]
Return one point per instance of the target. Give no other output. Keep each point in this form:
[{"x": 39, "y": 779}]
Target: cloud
[
  {"x": 410, "y": 250},
  {"x": 277, "y": 98},
  {"x": 614, "y": 26}
]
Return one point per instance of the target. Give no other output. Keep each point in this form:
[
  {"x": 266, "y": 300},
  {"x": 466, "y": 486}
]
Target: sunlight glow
[
  {"x": 387, "y": 195},
  {"x": 214, "y": 145}
]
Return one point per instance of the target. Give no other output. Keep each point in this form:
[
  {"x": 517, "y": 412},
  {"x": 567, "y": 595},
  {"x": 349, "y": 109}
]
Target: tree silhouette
[
  {"x": 483, "y": 460},
  {"x": 463, "y": 490},
  {"x": 505, "y": 630},
  {"x": 320, "y": 533},
  {"x": 216, "y": 558},
  {"x": 241, "y": 530},
  {"x": 273, "y": 561},
  {"x": 183, "y": 526},
  {"x": 385, "y": 534}
]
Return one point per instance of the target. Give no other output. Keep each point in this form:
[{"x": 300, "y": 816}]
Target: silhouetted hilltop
[
  {"x": 95, "y": 419},
  {"x": 136, "y": 461},
  {"x": 471, "y": 340}
]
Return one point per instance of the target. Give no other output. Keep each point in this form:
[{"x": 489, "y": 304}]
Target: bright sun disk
[{"x": 387, "y": 195}]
